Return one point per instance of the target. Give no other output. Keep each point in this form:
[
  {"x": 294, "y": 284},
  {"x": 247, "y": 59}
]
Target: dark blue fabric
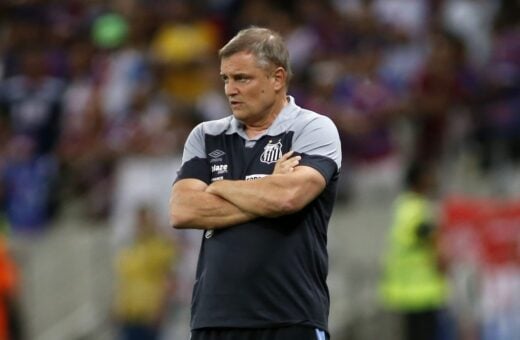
[{"x": 138, "y": 332}]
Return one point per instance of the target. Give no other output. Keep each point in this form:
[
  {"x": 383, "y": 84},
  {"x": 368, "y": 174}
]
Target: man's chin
[{"x": 238, "y": 114}]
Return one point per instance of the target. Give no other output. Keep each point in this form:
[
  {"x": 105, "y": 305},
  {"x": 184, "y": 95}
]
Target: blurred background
[{"x": 97, "y": 98}]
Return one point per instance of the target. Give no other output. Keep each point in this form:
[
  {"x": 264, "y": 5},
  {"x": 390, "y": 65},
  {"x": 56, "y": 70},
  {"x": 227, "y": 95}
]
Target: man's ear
[{"x": 279, "y": 78}]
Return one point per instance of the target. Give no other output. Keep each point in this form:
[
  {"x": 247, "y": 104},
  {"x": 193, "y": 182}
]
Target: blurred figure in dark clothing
[
  {"x": 30, "y": 109},
  {"x": 31, "y": 101},
  {"x": 498, "y": 126},
  {"x": 444, "y": 84}
]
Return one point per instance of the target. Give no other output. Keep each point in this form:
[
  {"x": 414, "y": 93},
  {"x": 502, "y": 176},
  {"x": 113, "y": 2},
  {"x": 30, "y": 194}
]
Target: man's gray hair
[{"x": 266, "y": 45}]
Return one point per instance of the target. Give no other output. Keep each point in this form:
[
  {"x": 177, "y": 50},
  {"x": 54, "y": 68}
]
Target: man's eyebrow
[{"x": 235, "y": 75}]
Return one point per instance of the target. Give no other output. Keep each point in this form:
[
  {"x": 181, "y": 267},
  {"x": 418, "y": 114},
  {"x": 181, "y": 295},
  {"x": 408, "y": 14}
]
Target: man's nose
[{"x": 230, "y": 89}]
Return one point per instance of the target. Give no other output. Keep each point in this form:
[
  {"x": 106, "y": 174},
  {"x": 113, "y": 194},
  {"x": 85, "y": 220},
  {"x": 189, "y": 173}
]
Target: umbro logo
[{"x": 216, "y": 155}]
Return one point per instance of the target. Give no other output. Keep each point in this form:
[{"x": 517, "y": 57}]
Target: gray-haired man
[{"x": 261, "y": 183}]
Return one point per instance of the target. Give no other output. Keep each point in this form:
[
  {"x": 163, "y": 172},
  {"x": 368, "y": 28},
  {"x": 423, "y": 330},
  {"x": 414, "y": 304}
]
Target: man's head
[
  {"x": 255, "y": 70},
  {"x": 265, "y": 45}
]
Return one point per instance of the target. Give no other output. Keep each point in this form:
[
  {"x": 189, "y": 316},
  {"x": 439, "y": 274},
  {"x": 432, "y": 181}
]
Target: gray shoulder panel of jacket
[
  {"x": 317, "y": 135},
  {"x": 195, "y": 145}
]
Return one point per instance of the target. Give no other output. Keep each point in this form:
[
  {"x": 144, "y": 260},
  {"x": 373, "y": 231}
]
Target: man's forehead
[{"x": 238, "y": 63}]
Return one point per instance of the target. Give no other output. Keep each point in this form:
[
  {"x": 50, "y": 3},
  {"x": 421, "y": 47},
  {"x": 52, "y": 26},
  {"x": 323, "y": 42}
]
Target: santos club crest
[{"x": 272, "y": 152}]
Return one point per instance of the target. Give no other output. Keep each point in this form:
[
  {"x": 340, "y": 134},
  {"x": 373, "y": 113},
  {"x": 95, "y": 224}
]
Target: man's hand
[{"x": 286, "y": 164}]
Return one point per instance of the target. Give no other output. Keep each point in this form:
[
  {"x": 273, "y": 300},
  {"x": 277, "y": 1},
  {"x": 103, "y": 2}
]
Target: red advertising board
[{"x": 484, "y": 230}]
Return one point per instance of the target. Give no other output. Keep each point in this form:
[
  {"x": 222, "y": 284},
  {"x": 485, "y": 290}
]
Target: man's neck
[{"x": 260, "y": 127}]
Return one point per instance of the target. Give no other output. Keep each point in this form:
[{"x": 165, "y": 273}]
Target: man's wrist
[{"x": 213, "y": 188}]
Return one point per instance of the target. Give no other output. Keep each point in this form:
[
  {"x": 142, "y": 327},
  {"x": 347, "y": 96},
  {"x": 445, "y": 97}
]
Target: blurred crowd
[
  {"x": 85, "y": 84},
  {"x": 91, "y": 89}
]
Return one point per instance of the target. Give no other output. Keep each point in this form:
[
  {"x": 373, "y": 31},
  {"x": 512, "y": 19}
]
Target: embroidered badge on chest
[{"x": 272, "y": 152}]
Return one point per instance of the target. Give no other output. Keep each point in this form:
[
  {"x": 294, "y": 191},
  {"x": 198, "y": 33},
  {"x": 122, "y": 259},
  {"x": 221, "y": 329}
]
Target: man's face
[{"x": 250, "y": 89}]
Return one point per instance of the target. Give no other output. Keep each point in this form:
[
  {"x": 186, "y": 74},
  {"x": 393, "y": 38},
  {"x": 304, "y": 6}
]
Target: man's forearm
[
  {"x": 202, "y": 210},
  {"x": 274, "y": 195},
  {"x": 267, "y": 196}
]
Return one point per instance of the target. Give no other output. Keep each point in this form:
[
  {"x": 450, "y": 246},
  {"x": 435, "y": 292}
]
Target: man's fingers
[
  {"x": 290, "y": 164},
  {"x": 295, "y": 161},
  {"x": 286, "y": 163},
  {"x": 286, "y": 156}
]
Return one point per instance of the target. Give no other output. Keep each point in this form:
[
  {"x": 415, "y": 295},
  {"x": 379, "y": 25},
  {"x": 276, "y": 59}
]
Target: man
[
  {"x": 413, "y": 283},
  {"x": 263, "y": 262}
]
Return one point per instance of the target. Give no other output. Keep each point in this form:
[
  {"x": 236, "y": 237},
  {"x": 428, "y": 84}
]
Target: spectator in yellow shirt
[{"x": 143, "y": 280}]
